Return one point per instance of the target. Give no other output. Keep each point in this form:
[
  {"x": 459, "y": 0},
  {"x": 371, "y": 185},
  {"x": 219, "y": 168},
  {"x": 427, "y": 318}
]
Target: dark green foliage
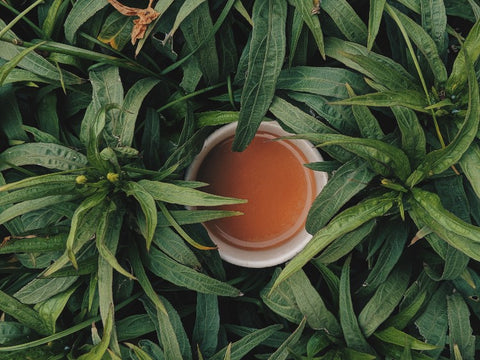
[{"x": 100, "y": 259}]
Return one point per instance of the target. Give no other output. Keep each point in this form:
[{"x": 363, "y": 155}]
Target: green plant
[{"x": 92, "y": 194}]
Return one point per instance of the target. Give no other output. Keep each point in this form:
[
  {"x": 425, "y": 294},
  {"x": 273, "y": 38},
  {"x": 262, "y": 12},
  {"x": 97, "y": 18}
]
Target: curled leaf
[{"x": 145, "y": 17}]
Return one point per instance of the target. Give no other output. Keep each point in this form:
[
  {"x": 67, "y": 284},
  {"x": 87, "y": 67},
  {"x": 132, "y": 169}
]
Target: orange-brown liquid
[{"x": 271, "y": 176}]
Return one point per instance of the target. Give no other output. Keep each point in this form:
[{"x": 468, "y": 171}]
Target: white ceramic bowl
[{"x": 270, "y": 256}]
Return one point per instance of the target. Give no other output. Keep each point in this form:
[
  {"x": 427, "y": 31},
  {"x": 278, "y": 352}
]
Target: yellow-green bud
[
  {"x": 81, "y": 179},
  {"x": 113, "y": 177}
]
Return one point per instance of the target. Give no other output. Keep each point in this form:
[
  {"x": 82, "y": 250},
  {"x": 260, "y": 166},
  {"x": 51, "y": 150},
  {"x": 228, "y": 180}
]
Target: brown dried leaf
[{"x": 145, "y": 17}]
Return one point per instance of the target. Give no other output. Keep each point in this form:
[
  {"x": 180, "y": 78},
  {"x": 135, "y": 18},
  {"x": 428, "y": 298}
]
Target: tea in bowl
[{"x": 279, "y": 190}]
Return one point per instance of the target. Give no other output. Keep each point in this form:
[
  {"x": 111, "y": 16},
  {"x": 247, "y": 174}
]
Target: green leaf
[
  {"x": 97, "y": 352},
  {"x": 35, "y": 62},
  {"x": 134, "y": 326},
  {"x": 468, "y": 286},
  {"x": 461, "y": 68},
  {"x": 181, "y": 275},
  {"x": 37, "y": 191},
  {"x": 440, "y": 160},
  {"x": 48, "y": 120},
  {"x": 124, "y": 128},
  {"x": 23, "y": 313},
  {"x": 31, "y": 205},
  {"x": 167, "y": 333},
  {"x": 35, "y": 244},
  {"x": 107, "y": 97},
  {"x": 407, "y": 314},
  {"x": 312, "y": 306},
  {"x": 368, "y": 125},
  {"x": 348, "y": 320},
  {"x": 54, "y": 12},
  {"x": 297, "y": 29},
  {"x": 107, "y": 237},
  {"x": 384, "y": 301},
  {"x": 326, "y": 81},
  {"x": 396, "y": 234},
  {"x": 116, "y": 30},
  {"x": 176, "y": 194},
  {"x": 185, "y": 217},
  {"x": 39, "y": 290},
  {"x": 346, "y": 221},
  {"x": 82, "y": 11},
  {"x": 149, "y": 209},
  {"x": 12, "y": 332},
  {"x": 411, "y": 99},
  {"x": 207, "y": 324},
  {"x": 346, "y": 19},
  {"x": 284, "y": 350},
  {"x": 459, "y": 326},
  {"x": 434, "y": 22},
  {"x": 382, "y": 157},
  {"x": 90, "y": 202},
  {"x": 413, "y": 136},
  {"x": 433, "y": 322},
  {"x": 381, "y": 69},
  {"x": 346, "y": 182},
  {"x": 427, "y": 210},
  {"x": 281, "y": 300},
  {"x": 296, "y": 119},
  {"x": 266, "y": 56},
  {"x": 143, "y": 280},
  {"x": 185, "y": 10},
  {"x": 38, "y": 181},
  {"x": 339, "y": 117},
  {"x": 51, "y": 156},
  {"x": 139, "y": 353},
  {"x": 301, "y": 123},
  {"x": 345, "y": 244},
  {"x": 425, "y": 44},
  {"x": 374, "y": 19},
  {"x": 393, "y": 336},
  {"x": 172, "y": 244},
  {"x": 470, "y": 163},
  {"x": 243, "y": 346},
  {"x": 196, "y": 29},
  {"x": 313, "y": 23},
  {"x": 13, "y": 62},
  {"x": 51, "y": 308}
]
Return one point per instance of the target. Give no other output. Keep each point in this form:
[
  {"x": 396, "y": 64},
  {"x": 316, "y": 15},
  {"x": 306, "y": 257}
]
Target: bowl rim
[{"x": 260, "y": 258}]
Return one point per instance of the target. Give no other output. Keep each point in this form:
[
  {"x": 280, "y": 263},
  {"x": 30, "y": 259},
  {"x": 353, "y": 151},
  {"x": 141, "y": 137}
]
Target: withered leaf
[{"x": 145, "y": 17}]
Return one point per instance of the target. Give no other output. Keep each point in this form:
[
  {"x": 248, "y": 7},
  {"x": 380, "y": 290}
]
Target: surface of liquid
[{"x": 271, "y": 176}]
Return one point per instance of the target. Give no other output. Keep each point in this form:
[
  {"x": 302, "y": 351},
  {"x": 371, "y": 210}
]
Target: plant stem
[
  {"x": 179, "y": 229},
  {"x": 417, "y": 67},
  {"x": 21, "y": 16},
  {"x": 216, "y": 27},
  {"x": 191, "y": 95},
  {"x": 69, "y": 331}
]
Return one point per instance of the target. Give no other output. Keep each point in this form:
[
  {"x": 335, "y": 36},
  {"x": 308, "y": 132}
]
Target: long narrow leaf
[
  {"x": 374, "y": 19},
  {"x": 176, "y": 194},
  {"x": 181, "y": 275},
  {"x": 343, "y": 223},
  {"x": 149, "y": 208},
  {"x": 23, "y": 313},
  {"x": 384, "y": 158},
  {"x": 348, "y": 320},
  {"x": 313, "y": 23},
  {"x": 384, "y": 301},
  {"x": 266, "y": 56}
]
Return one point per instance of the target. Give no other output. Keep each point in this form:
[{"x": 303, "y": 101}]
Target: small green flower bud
[
  {"x": 113, "y": 177},
  {"x": 81, "y": 179}
]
